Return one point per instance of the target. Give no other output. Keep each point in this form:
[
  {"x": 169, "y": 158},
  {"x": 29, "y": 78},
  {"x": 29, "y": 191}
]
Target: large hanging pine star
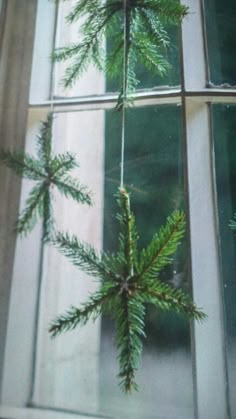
[
  {"x": 145, "y": 38},
  {"x": 48, "y": 170},
  {"x": 128, "y": 281}
]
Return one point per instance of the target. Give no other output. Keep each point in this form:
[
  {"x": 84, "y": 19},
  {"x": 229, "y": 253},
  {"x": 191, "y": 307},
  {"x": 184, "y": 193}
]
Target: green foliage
[
  {"x": 136, "y": 29},
  {"x": 47, "y": 170},
  {"x": 232, "y": 223},
  {"x": 128, "y": 281}
]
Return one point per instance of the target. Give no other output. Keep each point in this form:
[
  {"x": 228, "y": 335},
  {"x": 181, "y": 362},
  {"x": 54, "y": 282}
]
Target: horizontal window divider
[
  {"x": 144, "y": 98},
  {"x": 108, "y": 101}
]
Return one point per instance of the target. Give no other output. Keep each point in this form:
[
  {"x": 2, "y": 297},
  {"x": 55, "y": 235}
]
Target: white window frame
[{"x": 209, "y": 353}]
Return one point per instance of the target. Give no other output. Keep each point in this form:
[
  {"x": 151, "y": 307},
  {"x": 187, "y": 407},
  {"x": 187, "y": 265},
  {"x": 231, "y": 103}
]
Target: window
[{"x": 179, "y": 153}]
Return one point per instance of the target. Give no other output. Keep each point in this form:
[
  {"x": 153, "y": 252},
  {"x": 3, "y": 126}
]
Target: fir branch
[
  {"x": 63, "y": 163},
  {"x": 75, "y": 316},
  {"x": 48, "y": 219},
  {"x": 128, "y": 236},
  {"x": 145, "y": 22},
  {"x": 44, "y": 144},
  {"x": 128, "y": 281},
  {"x": 163, "y": 245},
  {"x": 47, "y": 170},
  {"x": 84, "y": 256},
  {"x": 33, "y": 210},
  {"x": 232, "y": 223},
  {"x": 72, "y": 188},
  {"x": 22, "y": 164},
  {"x": 169, "y": 298},
  {"x": 130, "y": 330}
]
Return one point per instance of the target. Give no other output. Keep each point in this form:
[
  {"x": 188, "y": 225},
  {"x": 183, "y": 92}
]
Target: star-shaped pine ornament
[
  {"x": 47, "y": 170},
  {"x": 128, "y": 281},
  {"x": 135, "y": 31}
]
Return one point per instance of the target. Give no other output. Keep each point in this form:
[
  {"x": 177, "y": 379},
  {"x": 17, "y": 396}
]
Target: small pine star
[{"x": 48, "y": 170}]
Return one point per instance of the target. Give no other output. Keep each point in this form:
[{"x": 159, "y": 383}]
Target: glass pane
[
  {"x": 154, "y": 176},
  {"x": 78, "y": 370},
  {"x": 224, "y": 121},
  {"x": 221, "y": 39},
  {"x": 67, "y": 367},
  {"x": 92, "y": 82}
]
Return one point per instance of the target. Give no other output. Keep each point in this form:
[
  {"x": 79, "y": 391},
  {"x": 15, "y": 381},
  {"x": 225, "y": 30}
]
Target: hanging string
[
  {"x": 55, "y": 45},
  {"x": 124, "y": 100}
]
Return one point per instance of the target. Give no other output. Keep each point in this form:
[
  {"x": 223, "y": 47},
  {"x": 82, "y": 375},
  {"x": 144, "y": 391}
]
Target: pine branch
[
  {"x": 71, "y": 188},
  {"x": 48, "y": 219},
  {"x": 145, "y": 34},
  {"x": 128, "y": 236},
  {"x": 232, "y": 223},
  {"x": 83, "y": 256},
  {"x": 163, "y": 245},
  {"x": 63, "y": 163},
  {"x": 130, "y": 330},
  {"x": 44, "y": 143},
  {"x": 168, "y": 298},
  {"x": 32, "y": 211},
  {"x": 47, "y": 170},
  {"x": 75, "y": 316},
  {"x": 128, "y": 281},
  {"x": 22, "y": 164}
]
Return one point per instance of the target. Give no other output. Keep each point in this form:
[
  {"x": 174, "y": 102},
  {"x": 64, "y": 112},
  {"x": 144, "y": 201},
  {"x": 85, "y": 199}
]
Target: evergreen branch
[
  {"x": 75, "y": 316},
  {"x": 22, "y": 164},
  {"x": 72, "y": 188},
  {"x": 33, "y": 210},
  {"x": 142, "y": 19},
  {"x": 149, "y": 56},
  {"x": 127, "y": 285},
  {"x": 63, "y": 163},
  {"x": 232, "y": 223},
  {"x": 168, "y": 298},
  {"x": 44, "y": 146},
  {"x": 163, "y": 245},
  {"x": 82, "y": 255},
  {"x": 48, "y": 220},
  {"x": 130, "y": 329},
  {"x": 169, "y": 11},
  {"x": 128, "y": 236}
]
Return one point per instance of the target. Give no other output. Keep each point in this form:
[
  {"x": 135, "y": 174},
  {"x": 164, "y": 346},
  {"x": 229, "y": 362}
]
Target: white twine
[{"x": 123, "y": 105}]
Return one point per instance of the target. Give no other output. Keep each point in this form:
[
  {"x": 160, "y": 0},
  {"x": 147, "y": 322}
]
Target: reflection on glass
[
  {"x": 221, "y": 39},
  {"x": 224, "y": 121},
  {"x": 154, "y": 176}
]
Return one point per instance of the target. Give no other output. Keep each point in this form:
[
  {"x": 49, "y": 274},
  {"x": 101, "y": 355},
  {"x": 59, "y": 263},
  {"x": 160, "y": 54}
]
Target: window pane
[
  {"x": 78, "y": 370},
  {"x": 154, "y": 176},
  {"x": 221, "y": 38},
  {"x": 224, "y": 120}
]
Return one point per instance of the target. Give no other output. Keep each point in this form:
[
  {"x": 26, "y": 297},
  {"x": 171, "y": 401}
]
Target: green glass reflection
[
  {"x": 224, "y": 124},
  {"x": 221, "y": 40},
  {"x": 154, "y": 177}
]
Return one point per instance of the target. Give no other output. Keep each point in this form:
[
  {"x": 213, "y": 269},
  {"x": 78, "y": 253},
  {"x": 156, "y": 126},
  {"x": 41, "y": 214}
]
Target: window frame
[{"x": 211, "y": 392}]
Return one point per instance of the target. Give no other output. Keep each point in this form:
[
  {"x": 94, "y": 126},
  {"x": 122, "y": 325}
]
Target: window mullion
[{"x": 208, "y": 338}]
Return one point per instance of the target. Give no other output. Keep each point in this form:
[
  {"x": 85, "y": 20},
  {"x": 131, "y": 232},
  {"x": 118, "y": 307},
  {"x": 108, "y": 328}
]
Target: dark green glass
[
  {"x": 224, "y": 130},
  {"x": 221, "y": 40}
]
